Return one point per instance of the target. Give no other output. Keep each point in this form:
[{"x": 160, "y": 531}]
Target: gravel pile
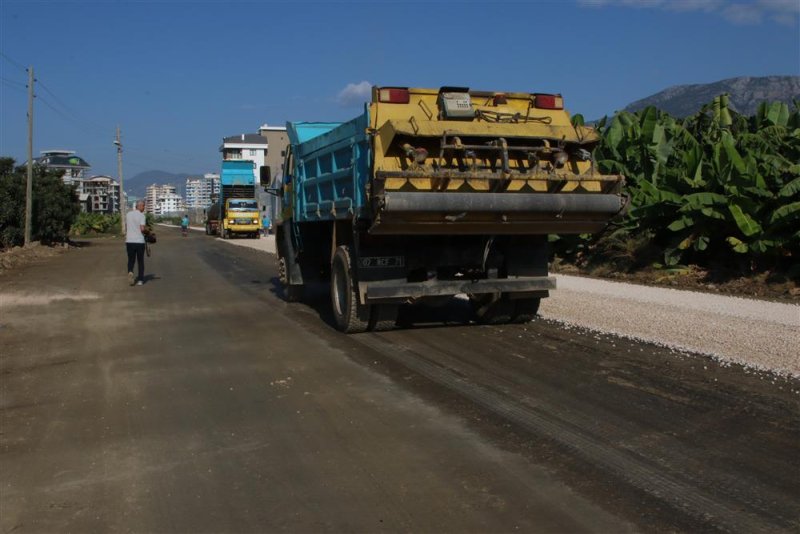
[{"x": 759, "y": 334}]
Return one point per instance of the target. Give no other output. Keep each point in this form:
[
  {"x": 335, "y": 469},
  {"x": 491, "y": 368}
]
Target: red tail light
[
  {"x": 394, "y": 95},
  {"x": 548, "y": 101}
]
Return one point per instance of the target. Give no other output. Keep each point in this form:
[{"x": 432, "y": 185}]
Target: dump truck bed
[{"x": 503, "y": 167}]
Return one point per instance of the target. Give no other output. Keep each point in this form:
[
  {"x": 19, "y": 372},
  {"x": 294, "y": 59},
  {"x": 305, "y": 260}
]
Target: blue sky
[{"x": 177, "y": 76}]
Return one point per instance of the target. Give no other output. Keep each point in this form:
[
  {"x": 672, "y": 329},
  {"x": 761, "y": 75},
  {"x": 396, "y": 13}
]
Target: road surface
[{"x": 201, "y": 401}]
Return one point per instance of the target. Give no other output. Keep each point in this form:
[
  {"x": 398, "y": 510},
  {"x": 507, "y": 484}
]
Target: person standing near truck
[
  {"x": 134, "y": 241},
  {"x": 265, "y": 224}
]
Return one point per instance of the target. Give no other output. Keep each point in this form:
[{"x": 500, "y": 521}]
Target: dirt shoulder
[
  {"x": 35, "y": 252},
  {"x": 765, "y": 286}
]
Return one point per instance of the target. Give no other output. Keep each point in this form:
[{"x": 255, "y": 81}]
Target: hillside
[
  {"x": 137, "y": 185},
  {"x": 746, "y": 93}
]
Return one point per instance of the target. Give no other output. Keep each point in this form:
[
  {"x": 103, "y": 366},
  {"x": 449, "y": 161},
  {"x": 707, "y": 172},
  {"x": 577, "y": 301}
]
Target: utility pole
[
  {"x": 123, "y": 206},
  {"x": 29, "y": 185}
]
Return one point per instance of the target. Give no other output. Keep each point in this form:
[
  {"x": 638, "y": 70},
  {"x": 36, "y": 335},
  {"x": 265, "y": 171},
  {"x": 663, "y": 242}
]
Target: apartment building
[
  {"x": 163, "y": 200},
  {"x": 277, "y": 141},
  {"x": 200, "y": 192},
  {"x": 99, "y": 194},
  {"x": 252, "y": 147},
  {"x": 170, "y": 204},
  {"x": 74, "y": 167}
]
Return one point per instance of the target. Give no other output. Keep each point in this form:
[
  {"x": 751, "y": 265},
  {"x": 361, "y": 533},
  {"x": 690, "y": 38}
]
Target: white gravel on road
[
  {"x": 760, "y": 334},
  {"x": 265, "y": 243},
  {"x": 756, "y": 333}
]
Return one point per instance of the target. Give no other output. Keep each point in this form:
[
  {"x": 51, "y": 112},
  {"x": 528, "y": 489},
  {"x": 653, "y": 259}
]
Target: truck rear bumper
[
  {"x": 398, "y": 291},
  {"x": 495, "y": 213}
]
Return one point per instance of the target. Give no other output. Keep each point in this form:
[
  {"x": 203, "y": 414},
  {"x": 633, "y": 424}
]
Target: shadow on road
[{"x": 452, "y": 312}]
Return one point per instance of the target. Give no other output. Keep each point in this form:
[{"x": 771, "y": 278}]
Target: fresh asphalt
[{"x": 201, "y": 401}]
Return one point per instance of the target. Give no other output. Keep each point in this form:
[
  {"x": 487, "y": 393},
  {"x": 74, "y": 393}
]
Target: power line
[
  {"x": 13, "y": 62},
  {"x": 70, "y": 119},
  {"x": 21, "y": 84},
  {"x": 10, "y": 86},
  {"x": 43, "y": 86},
  {"x": 67, "y": 109}
]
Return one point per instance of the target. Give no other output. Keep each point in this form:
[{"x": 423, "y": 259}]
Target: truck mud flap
[{"x": 495, "y": 213}]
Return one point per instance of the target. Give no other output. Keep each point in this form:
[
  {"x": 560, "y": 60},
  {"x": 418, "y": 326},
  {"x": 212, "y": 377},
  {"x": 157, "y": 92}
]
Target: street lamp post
[{"x": 122, "y": 203}]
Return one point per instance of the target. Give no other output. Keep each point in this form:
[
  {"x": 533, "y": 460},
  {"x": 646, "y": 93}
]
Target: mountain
[
  {"x": 746, "y": 94},
  {"x": 137, "y": 185}
]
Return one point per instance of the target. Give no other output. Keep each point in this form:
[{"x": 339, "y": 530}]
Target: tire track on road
[{"x": 623, "y": 464}]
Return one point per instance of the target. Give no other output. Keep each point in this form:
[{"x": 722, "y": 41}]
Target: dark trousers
[{"x": 136, "y": 254}]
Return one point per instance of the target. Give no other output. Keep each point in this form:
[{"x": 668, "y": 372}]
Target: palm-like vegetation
[{"x": 714, "y": 188}]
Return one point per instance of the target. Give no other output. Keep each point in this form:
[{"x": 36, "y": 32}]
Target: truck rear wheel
[
  {"x": 525, "y": 310},
  {"x": 351, "y": 316}
]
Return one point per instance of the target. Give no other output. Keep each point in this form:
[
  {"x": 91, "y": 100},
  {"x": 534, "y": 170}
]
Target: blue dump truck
[
  {"x": 432, "y": 193},
  {"x": 236, "y": 211}
]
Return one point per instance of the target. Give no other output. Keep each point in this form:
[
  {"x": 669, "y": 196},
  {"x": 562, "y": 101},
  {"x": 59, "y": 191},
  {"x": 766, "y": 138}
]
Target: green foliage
[
  {"x": 171, "y": 219},
  {"x": 54, "y": 205},
  {"x": 96, "y": 223},
  {"x": 716, "y": 187}
]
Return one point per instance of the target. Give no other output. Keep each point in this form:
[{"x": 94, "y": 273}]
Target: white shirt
[{"x": 134, "y": 221}]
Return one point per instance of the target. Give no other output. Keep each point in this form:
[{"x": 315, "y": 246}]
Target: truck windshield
[{"x": 243, "y": 205}]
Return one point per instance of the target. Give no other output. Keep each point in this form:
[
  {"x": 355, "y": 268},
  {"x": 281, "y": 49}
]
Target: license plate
[{"x": 371, "y": 262}]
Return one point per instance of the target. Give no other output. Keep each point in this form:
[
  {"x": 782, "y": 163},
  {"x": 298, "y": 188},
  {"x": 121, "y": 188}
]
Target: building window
[{"x": 253, "y": 152}]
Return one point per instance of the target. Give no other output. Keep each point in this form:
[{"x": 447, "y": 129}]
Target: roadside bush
[
  {"x": 714, "y": 189},
  {"x": 96, "y": 223},
  {"x": 55, "y": 205}
]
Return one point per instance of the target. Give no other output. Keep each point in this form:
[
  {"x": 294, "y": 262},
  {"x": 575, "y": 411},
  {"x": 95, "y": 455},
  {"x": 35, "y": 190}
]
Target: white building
[
  {"x": 201, "y": 191},
  {"x": 74, "y": 167},
  {"x": 169, "y": 204},
  {"x": 163, "y": 200},
  {"x": 252, "y": 147}
]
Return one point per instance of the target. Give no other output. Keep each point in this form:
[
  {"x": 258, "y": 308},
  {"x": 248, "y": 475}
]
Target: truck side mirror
[{"x": 266, "y": 176}]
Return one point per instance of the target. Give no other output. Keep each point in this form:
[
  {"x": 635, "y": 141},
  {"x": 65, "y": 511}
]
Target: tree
[{"x": 55, "y": 205}]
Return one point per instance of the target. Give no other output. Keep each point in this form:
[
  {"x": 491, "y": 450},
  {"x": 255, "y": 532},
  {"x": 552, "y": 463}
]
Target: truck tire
[
  {"x": 492, "y": 309},
  {"x": 292, "y": 293},
  {"x": 351, "y": 316},
  {"x": 525, "y": 310}
]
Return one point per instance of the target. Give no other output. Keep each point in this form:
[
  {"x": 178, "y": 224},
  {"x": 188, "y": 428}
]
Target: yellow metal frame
[{"x": 522, "y": 123}]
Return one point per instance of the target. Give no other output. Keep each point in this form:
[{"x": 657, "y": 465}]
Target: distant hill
[
  {"x": 137, "y": 185},
  {"x": 746, "y": 94}
]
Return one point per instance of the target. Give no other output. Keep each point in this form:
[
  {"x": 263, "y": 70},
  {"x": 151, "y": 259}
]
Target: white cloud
[
  {"x": 743, "y": 14},
  {"x": 735, "y": 11},
  {"x": 355, "y": 93}
]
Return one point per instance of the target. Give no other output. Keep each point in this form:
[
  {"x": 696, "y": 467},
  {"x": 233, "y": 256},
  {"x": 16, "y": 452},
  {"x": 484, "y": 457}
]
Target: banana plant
[{"x": 712, "y": 184}]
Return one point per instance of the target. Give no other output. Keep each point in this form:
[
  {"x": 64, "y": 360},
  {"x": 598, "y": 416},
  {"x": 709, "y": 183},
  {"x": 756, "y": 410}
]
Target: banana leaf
[
  {"x": 785, "y": 214},
  {"x": 746, "y": 224}
]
